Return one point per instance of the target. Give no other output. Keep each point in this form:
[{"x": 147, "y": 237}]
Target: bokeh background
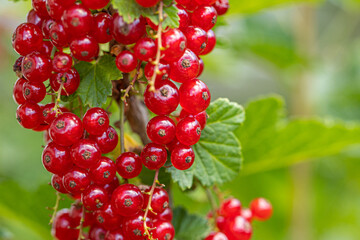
[{"x": 308, "y": 53}]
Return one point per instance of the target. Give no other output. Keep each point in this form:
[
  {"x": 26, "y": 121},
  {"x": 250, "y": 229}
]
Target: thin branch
[
  {"x": 56, "y": 107},
  {"x": 132, "y": 83},
  {"x": 148, "y": 207},
  {"x": 122, "y": 116},
  {"x": 81, "y": 233},
  {"x": 55, "y": 208},
  {"x": 212, "y": 201}
]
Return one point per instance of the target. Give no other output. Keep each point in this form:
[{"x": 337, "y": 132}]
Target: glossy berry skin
[
  {"x": 194, "y": 96},
  {"x": 153, "y": 156},
  {"x": 188, "y": 131},
  {"x": 221, "y": 6},
  {"x": 126, "y": 61},
  {"x": 56, "y": 159},
  {"x": 56, "y": 8},
  {"x": 95, "y": 4},
  {"x": 84, "y": 48},
  {"x": 163, "y": 74},
  {"x": 76, "y": 181},
  {"x": 159, "y": 200},
  {"x": 101, "y": 31},
  {"x": 18, "y": 91},
  {"x": 164, "y": 100},
  {"x": 231, "y": 207},
  {"x": 29, "y": 115},
  {"x": 221, "y": 223},
  {"x": 62, "y": 228},
  {"x": 205, "y": 2},
  {"x": 70, "y": 80},
  {"x": 145, "y": 49},
  {"x": 94, "y": 198},
  {"x": 161, "y": 130},
  {"x": 184, "y": 20},
  {"x": 216, "y": 236},
  {"x": 116, "y": 235},
  {"x": 27, "y": 38},
  {"x": 182, "y": 157},
  {"x": 46, "y": 26},
  {"x": 34, "y": 18},
  {"x": 77, "y": 20},
  {"x": 62, "y": 62},
  {"x": 85, "y": 153},
  {"x": 247, "y": 214},
  {"x": 46, "y": 48},
  {"x": 57, "y": 183},
  {"x": 103, "y": 172},
  {"x": 76, "y": 213},
  {"x": 34, "y": 91},
  {"x": 107, "y": 218},
  {"x": 17, "y": 67},
  {"x": 261, "y": 209},
  {"x": 200, "y": 117},
  {"x": 165, "y": 216},
  {"x": 108, "y": 141},
  {"x": 97, "y": 233},
  {"x": 196, "y": 39},
  {"x": 147, "y": 3},
  {"x": 204, "y": 17},
  {"x": 134, "y": 227},
  {"x": 40, "y": 7},
  {"x": 127, "y": 33},
  {"x": 128, "y": 165},
  {"x": 174, "y": 42},
  {"x": 238, "y": 228},
  {"x": 127, "y": 200},
  {"x": 58, "y": 35},
  {"x": 201, "y": 70},
  {"x": 163, "y": 231},
  {"x": 49, "y": 113},
  {"x": 66, "y": 129},
  {"x": 96, "y": 121},
  {"x": 186, "y": 68},
  {"x": 211, "y": 42},
  {"x": 36, "y": 67}
]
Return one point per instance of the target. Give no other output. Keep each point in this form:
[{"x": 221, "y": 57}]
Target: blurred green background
[{"x": 307, "y": 52}]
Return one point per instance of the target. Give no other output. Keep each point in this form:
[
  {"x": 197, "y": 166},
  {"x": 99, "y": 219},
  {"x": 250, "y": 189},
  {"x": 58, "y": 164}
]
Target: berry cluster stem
[
  {"x": 56, "y": 107},
  {"x": 148, "y": 206},
  {"x": 81, "y": 234},
  {"x": 55, "y": 208},
  {"x": 212, "y": 201},
  {"x": 122, "y": 116},
  {"x": 132, "y": 83}
]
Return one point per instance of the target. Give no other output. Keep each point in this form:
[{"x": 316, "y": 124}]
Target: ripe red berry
[
  {"x": 128, "y": 165},
  {"x": 101, "y": 30},
  {"x": 188, "y": 131},
  {"x": 205, "y": 2},
  {"x": 85, "y": 153},
  {"x": 34, "y": 18},
  {"x": 58, "y": 35},
  {"x": 165, "y": 216},
  {"x": 97, "y": 233},
  {"x": 147, "y": 3},
  {"x": 159, "y": 200},
  {"x": 127, "y": 33},
  {"x": 57, "y": 183},
  {"x": 27, "y": 38},
  {"x": 247, "y": 214},
  {"x": 76, "y": 181},
  {"x": 164, "y": 100},
  {"x": 238, "y": 228},
  {"x": 40, "y": 7},
  {"x": 216, "y": 236},
  {"x": 103, "y": 172},
  {"x": 108, "y": 141},
  {"x": 184, "y": 20},
  {"x": 200, "y": 117},
  {"x": 56, "y": 159},
  {"x": 66, "y": 129},
  {"x": 18, "y": 91},
  {"x": 189, "y": 5},
  {"x": 170, "y": 146},
  {"x": 161, "y": 129},
  {"x": 116, "y": 235},
  {"x": 211, "y": 42},
  {"x": 163, "y": 231},
  {"x": 196, "y": 39},
  {"x": 230, "y": 208},
  {"x": 127, "y": 200},
  {"x": 70, "y": 80},
  {"x": 221, "y": 6},
  {"x": 201, "y": 67},
  {"x": 145, "y": 49},
  {"x": 77, "y": 20},
  {"x": 56, "y": 8},
  {"x": 84, "y": 48},
  {"x": 221, "y": 223},
  {"x": 204, "y": 17},
  {"x": 34, "y": 91},
  {"x": 182, "y": 157},
  {"x": 126, "y": 61},
  {"x": 261, "y": 209},
  {"x": 186, "y": 68},
  {"x": 17, "y": 67},
  {"x": 62, "y": 227},
  {"x": 107, "y": 218},
  {"x": 174, "y": 42},
  {"x": 49, "y": 113},
  {"x": 76, "y": 213},
  {"x": 96, "y": 121},
  {"x": 46, "y": 48},
  {"x": 36, "y": 67},
  {"x": 134, "y": 227},
  {"x": 194, "y": 96},
  {"x": 29, "y": 115},
  {"x": 95, "y": 4},
  {"x": 62, "y": 62},
  {"x": 153, "y": 156},
  {"x": 94, "y": 198},
  {"x": 163, "y": 74},
  {"x": 46, "y": 26}
]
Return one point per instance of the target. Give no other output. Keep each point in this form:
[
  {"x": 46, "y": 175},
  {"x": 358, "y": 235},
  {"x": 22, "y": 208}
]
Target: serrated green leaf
[
  {"x": 95, "y": 85},
  {"x": 218, "y": 153},
  {"x": 189, "y": 227}
]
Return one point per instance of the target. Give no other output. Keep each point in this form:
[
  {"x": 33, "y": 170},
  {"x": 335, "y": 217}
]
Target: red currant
[
  {"x": 127, "y": 200},
  {"x": 18, "y": 91},
  {"x": 46, "y": 48},
  {"x": 49, "y": 112},
  {"x": 247, "y": 214},
  {"x": 238, "y": 229},
  {"x": 163, "y": 231},
  {"x": 221, "y": 6},
  {"x": 163, "y": 74},
  {"x": 95, "y": 4},
  {"x": 182, "y": 157},
  {"x": 204, "y": 17},
  {"x": 134, "y": 227},
  {"x": 77, "y": 20},
  {"x": 69, "y": 79},
  {"x": 40, "y": 7},
  {"x": 165, "y": 216},
  {"x": 76, "y": 213},
  {"x": 184, "y": 20},
  {"x": 84, "y": 48},
  {"x": 186, "y": 68},
  {"x": 200, "y": 117},
  {"x": 29, "y": 115},
  {"x": 188, "y": 131},
  {"x": 46, "y": 26},
  {"x": 161, "y": 130},
  {"x": 174, "y": 42},
  {"x": 159, "y": 200},
  {"x": 36, "y": 67},
  {"x": 261, "y": 209},
  {"x": 76, "y": 181},
  {"x": 107, "y": 218},
  {"x": 145, "y": 49},
  {"x": 201, "y": 62},
  {"x": 116, "y": 235},
  {"x": 196, "y": 39},
  {"x": 103, "y": 171},
  {"x": 147, "y": 3},
  {"x": 34, "y": 18},
  {"x": 170, "y": 146},
  {"x": 97, "y": 233},
  {"x": 128, "y": 165},
  {"x": 230, "y": 208},
  {"x": 56, "y": 8},
  {"x": 62, "y": 62},
  {"x": 17, "y": 67},
  {"x": 127, "y": 33},
  {"x": 56, "y": 159},
  {"x": 205, "y": 2},
  {"x": 34, "y": 91},
  {"x": 211, "y": 42},
  {"x": 108, "y": 141},
  {"x": 216, "y": 236},
  {"x": 58, "y": 35},
  {"x": 94, "y": 198},
  {"x": 85, "y": 153},
  {"x": 153, "y": 156},
  {"x": 96, "y": 121},
  {"x": 221, "y": 223},
  {"x": 126, "y": 61},
  {"x": 27, "y": 38},
  {"x": 57, "y": 183},
  {"x": 62, "y": 228},
  {"x": 194, "y": 96},
  {"x": 101, "y": 30}
]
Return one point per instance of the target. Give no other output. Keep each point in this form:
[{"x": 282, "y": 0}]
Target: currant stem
[
  {"x": 81, "y": 234},
  {"x": 55, "y": 208},
  {"x": 122, "y": 139},
  {"x": 148, "y": 207},
  {"x": 218, "y": 193},
  {"x": 56, "y": 107},
  {"x": 212, "y": 201},
  {"x": 131, "y": 85}
]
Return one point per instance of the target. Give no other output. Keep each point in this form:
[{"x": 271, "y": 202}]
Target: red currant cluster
[{"x": 234, "y": 221}]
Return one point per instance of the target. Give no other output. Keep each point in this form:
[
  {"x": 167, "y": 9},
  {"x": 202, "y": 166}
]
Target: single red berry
[
  {"x": 186, "y": 68},
  {"x": 153, "y": 156},
  {"x": 76, "y": 181},
  {"x": 110, "y": 187},
  {"x": 231, "y": 207},
  {"x": 188, "y": 131},
  {"x": 29, "y": 115},
  {"x": 261, "y": 209},
  {"x": 108, "y": 141},
  {"x": 194, "y": 96},
  {"x": 163, "y": 74},
  {"x": 18, "y": 91},
  {"x": 34, "y": 91},
  {"x": 163, "y": 231},
  {"x": 165, "y": 216},
  {"x": 108, "y": 218},
  {"x": 164, "y": 99},
  {"x": 85, "y": 153},
  {"x": 84, "y": 48},
  {"x": 76, "y": 213},
  {"x": 49, "y": 113},
  {"x": 46, "y": 48},
  {"x": 96, "y": 121},
  {"x": 94, "y": 198},
  {"x": 95, "y": 4},
  {"x": 101, "y": 30},
  {"x": 145, "y": 49},
  {"x": 189, "y": 5},
  {"x": 182, "y": 157},
  {"x": 56, "y": 159},
  {"x": 221, "y": 6},
  {"x": 66, "y": 129},
  {"x": 57, "y": 183},
  {"x": 204, "y": 17},
  {"x": 127, "y": 200},
  {"x": 104, "y": 171},
  {"x": 184, "y": 20},
  {"x": 70, "y": 81},
  {"x": 211, "y": 42},
  {"x": 34, "y": 18},
  {"x": 77, "y": 20},
  {"x": 58, "y": 35},
  {"x": 200, "y": 117},
  {"x": 126, "y": 61},
  {"x": 62, "y": 62},
  {"x": 46, "y": 26},
  {"x": 97, "y": 233},
  {"x": 128, "y": 165},
  {"x": 174, "y": 42},
  {"x": 201, "y": 70},
  {"x": 220, "y": 223},
  {"x": 216, "y": 236},
  {"x": 40, "y": 7},
  {"x": 27, "y": 38},
  {"x": 134, "y": 227},
  {"x": 127, "y": 33},
  {"x": 62, "y": 227},
  {"x": 116, "y": 235},
  {"x": 205, "y": 2},
  {"x": 238, "y": 228},
  {"x": 36, "y": 67},
  {"x": 196, "y": 39},
  {"x": 147, "y": 3},
  {"x": 159, "y": 200},
  {"x": 56, "y": 8},
  {"x": 161, "y": 129},
  {"x": 17, "y": 67},
  {"x": 247, "y": 214}
]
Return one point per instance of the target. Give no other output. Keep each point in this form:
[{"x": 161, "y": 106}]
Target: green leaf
[
  {"x": 95, "y": 85},
  {"x": 270, "y": 141},
  {"x": 218, "y": 153},
  {"x": 189, "y": 227}
]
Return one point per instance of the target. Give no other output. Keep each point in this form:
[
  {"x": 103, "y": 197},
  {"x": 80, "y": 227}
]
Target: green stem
[{"x": 122, "y": 116}]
